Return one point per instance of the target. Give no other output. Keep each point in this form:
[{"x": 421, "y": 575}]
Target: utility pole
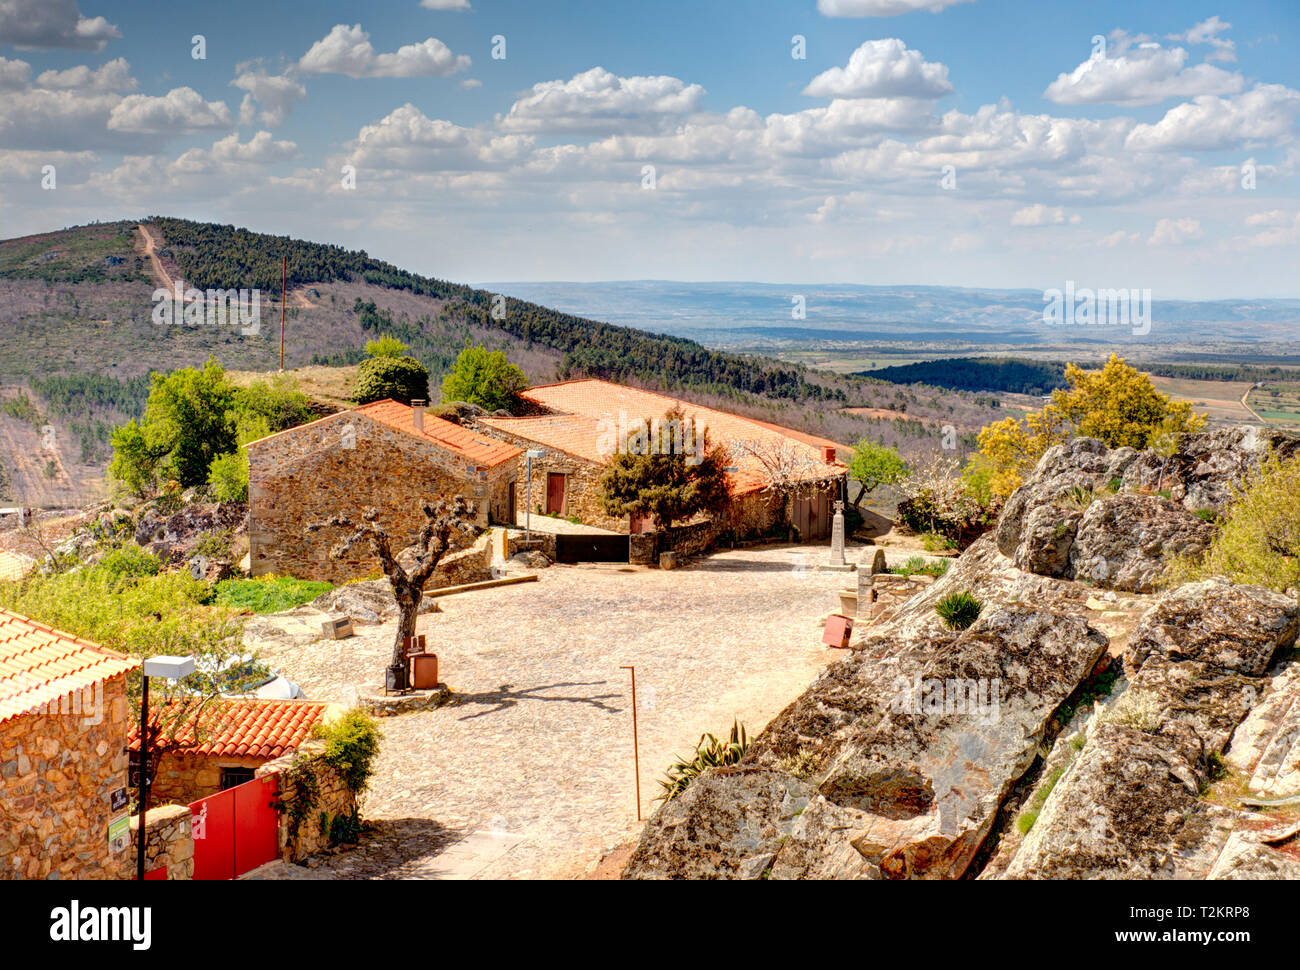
[{"x": 284, "y": 289}]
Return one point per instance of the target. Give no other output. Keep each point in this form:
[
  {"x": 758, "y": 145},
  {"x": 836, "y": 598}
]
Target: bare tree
[
  {"x": 791, "y": 471},
  {"x": 448, "y": 528}
]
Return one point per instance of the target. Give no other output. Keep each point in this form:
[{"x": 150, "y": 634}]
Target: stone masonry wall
[
  {"x": 169, "y": 842},
  {"x": 309, "y": 475},
  {"x": 334, "y": 799},
  {"x": 187, "y": 777},
  {"x": 57, "y": 770}
]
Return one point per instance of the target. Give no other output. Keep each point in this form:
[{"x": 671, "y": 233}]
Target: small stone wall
[
  {"x": 334, "y": 799},
  {"x": 187, "y": 777},
  {"x": 881, "y": 593},
  {"x": 58, "y": 767},
  {"x": 169, "y": 841}
]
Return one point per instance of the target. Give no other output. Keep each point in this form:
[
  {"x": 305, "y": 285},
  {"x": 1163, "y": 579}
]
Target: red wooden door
[
  {"x": 554, "y": 493},
  {"x": 235, "y": 830},
  {"x": 213, "y": 827},
  {"x": 257, "y": 826},
  {"x": 642, "y": 523}
]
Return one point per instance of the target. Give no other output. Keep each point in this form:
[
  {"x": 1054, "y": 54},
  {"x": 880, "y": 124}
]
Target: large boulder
[
  {"x": 1046, "y": 539},
  {"x": 1124, "y": 542},
  {"x": 1208, "y": 466}
]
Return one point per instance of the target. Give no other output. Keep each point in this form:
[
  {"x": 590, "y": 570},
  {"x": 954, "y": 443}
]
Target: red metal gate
[{"x": 236, "y": 830}]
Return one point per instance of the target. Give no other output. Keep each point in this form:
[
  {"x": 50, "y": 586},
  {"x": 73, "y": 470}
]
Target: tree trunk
[{"x": 408, "y": 596}]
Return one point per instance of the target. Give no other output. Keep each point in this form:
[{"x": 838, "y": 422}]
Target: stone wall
[
  {"x": 334, "y": 799},
  {"x": 308, "y": 475},
  {"x": 57, "y": 770},
  {"x": 169, "y": 842},
  {"x": 187, "y": 776}
]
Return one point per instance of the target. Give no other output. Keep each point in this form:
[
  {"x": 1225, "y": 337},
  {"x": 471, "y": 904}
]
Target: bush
[
  {"x": 1259, "y": 534},
  {"x": 484, "y": 378},
  {"x": 403, "y": 379},
  {"x": 129, "y": 562},
  {"x": 267, "y": 594},
  {"x": 916, "y": 565},
  {"x": 935, "y": 500},
  {"x": 228, "y": 477},
  {"x": 351, "y": 745},
  {"x": 958, "y": 610}
]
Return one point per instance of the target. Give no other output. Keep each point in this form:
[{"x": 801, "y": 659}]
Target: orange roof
[
  {"x": 452, "y": 437},
  {"x": 244, "y": 728},
  {"x": 592, "y": 408},
  {"x": 40, "y": 665}
]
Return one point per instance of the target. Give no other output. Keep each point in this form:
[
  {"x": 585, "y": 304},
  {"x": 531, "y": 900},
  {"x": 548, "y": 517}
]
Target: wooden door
[{"x": 554, "y": 493}]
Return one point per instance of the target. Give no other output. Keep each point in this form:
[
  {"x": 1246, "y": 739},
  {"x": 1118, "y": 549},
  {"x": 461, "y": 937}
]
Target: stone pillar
[{"x": 837, "y": 536}]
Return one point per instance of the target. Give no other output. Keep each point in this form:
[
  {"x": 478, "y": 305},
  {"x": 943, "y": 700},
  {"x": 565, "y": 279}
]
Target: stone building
[
  {"x": 387, "y": 455},
  {"x": 581, "y": 424},
  {"x": 63, "y": 728},
  {"x": 225, "y": 746}
]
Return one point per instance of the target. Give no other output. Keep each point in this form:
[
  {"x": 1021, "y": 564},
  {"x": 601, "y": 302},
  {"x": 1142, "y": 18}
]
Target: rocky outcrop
[
  {"x": 1124, "y": 542},
  {"x": 1208, "y": 465},
  {"x": 1131, "y": 805}
]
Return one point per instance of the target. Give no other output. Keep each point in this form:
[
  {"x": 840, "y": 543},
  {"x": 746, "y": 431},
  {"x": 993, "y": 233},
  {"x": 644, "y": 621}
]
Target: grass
[
  {"x": 918, "y": 565},
  {"x": 267, "y": 594},
  {"x": 1030, "y": 815}
]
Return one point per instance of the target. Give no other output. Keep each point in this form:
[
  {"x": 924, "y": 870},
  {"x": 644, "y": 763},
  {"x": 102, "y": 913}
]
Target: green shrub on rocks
[
  {"x": 709, "y": 753},
  {"x": 958, "y": 610}
]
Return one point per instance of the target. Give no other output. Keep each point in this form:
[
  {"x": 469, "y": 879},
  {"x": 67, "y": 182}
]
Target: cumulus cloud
[
  {"x": 113, "y": 76},
  {"x": 1038, "y": 215},
  {"x": 881, "y": 8},
  {"x": 407, "y": 139},
  {"x": 35, "y": 24},
  {"x": 445, "y": 4},
  {"x": 1207, "y": 32},
  {"x": 1175, "y": 232},
  {"x": 347, "y": 50},
  {"x": 1120, "y": 238},
  {"x": 1138, "y": 75},
  {"x": 179, "y": 110},
  {"x": 598, "y": 100},
  {"x": 1274, "y": 218},
  {"x": 261, "y": 149},
  {"x": 14, "y": 74},
  {"x": 1265, "y": 112},
  {"x": 274, "y": 95},
  {"x": 883, "y": 69}
]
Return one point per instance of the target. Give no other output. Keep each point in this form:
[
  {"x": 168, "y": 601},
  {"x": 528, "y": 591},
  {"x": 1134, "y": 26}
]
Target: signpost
[{"x": 532, "y": 453}]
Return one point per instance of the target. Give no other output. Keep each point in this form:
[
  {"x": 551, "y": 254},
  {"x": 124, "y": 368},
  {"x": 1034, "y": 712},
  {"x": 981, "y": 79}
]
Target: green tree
[
  {"x": 653, "y": 474},
  {"x": 403, "y": 379},
  {"x": 873, "y": 465},
  {"x": 190, "y": 415},
  {"x": 485, "y": 378},
  {"x": 386, "y": 347},
  {"x": 136, "y": 462}
]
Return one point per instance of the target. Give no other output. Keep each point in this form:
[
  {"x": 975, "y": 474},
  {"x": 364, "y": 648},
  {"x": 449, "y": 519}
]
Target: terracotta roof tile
[
  {"x": 244, "y": 728},
  {"x": 478, "y": 449},
  {"x": 585, "y": 404},
  {"x": 40, "y": 666}
]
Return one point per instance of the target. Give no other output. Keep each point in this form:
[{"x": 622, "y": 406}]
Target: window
[{"x": 230, "y": 777}]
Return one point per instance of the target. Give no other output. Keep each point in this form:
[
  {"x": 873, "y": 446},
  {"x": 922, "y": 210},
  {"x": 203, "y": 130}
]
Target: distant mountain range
[{"x": 729, "y": 314}]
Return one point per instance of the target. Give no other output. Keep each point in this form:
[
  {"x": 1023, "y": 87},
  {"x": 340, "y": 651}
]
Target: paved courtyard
[{"x": 529, "y": 773}]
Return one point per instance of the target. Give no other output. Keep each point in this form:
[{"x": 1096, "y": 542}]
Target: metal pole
[
  {"x": 284, "y": 289},
  {"x": 636, "y": 747},
  {"x": 144, "y": 774}
]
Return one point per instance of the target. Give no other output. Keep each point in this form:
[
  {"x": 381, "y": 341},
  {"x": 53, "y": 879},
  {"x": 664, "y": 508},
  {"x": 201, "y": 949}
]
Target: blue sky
[{"x": 1124, "y": 168}]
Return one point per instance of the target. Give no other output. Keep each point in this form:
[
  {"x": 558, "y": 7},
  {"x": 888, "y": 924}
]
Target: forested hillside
[
  {"x": 978, "y": 374},
  {"x": 215, "y": 256}
]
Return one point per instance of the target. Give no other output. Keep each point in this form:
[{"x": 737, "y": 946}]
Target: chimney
[
  {"x": 828, "y": 454},
  {"x": 417, "y": 414}
]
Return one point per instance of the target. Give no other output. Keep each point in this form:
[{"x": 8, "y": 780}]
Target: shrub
[
  {"x": 709, "y": 753},
  {"x": 386, "y": 347},
  {"x": 958, "y": 610},
  {"x": 1259, "y": 536},
  {"x": 351, "y": 746},
  {"x": 228, "y": 477},
  {"x": 129, "y": 562},
  {"x": 916, "y": 565},
  {"x": 937, "y": 542},
  {"x": 936, "y": 500},
  {"x": 484, "y": 378},
  {"x": 403, "y": 379}
]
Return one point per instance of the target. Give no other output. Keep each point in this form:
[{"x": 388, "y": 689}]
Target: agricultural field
[
  {"x": 1220, "y": 400},
  {"x": 1277, "y": 403}
]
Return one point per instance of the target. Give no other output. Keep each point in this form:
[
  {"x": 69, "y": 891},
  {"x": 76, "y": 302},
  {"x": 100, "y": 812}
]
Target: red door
[
  {"x": 235, "y": 830},
  {"x": 642, "y": 523},
  {"x": 554, "y": 493}
]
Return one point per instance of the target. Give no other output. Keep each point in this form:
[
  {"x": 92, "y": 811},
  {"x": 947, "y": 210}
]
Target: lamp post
[
  {"x": 173, "y": 668},
  {"x": 538, "y": 454}
]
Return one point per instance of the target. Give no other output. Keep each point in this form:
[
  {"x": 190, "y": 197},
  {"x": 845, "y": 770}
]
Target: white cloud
[
  {"x": 261, "y": 149},
  {"x": 597, "y": 100},
  {"x": 1275, "y": 218},
  {"x": 113, "y": 76},
  {"x": 1146, "y": 74},
  {"x": 881, "y": 8},
  {"x": 34, "y": 24},
  {"x": 1264, "y": 113},
  {"x": 179, "y": 110},
  {"x": 1207, "y": 32},
  {"x": 14, "y": 74},
  {"x": 883, "y": 69},
  {"x": 275, "y": 95},
  {"x": 1175, "y": 232},
  {"x": 1121, "y": 238},
  {"x": 406, "y": 139},
  {"x": 445, "y": 4},
  {"x": 1038, "y": 215},
  {"x": 470, "y": 83},
  {"x": 347, "y": 50}
]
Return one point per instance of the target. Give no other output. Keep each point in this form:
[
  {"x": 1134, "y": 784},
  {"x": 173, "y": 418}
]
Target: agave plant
[
  {"x": 958, "y": 610},
  {"x": 709, "y": 753}
]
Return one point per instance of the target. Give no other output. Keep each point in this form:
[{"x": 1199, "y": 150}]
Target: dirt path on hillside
[{"x": 149, "y": 247}]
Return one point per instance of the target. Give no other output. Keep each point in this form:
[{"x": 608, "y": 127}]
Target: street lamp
[
  {"x": 538, "y": 454},
  {"x": 173, "y": 668}
]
